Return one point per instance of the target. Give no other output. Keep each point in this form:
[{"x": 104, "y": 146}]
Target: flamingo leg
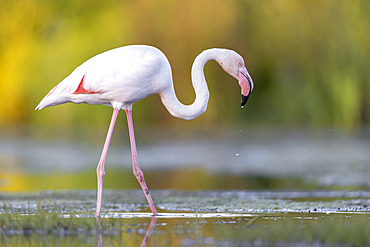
[
  {"x": 100, "y": 172},
  {"x": 136, "y": 169}
]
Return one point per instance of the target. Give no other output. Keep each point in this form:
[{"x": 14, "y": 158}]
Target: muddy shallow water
[
  {"x": 197, "y": 218},
  {"x": 167, "y": 201}
]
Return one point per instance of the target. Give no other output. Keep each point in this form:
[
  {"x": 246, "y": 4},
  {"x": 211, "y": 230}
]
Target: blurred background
[{"x": 307, "y": 118}]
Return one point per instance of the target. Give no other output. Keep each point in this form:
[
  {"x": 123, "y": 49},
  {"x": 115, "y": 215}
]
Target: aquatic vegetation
[{"x": 217, "y": 218}]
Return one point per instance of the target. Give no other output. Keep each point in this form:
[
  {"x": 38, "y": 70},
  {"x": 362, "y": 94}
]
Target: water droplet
[{"x": 237, "y": 154}]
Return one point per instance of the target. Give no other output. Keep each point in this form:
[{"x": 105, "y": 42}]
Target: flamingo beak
[
  {"x": 244, "y": 100},
  {"x": 246, "y": 84}
]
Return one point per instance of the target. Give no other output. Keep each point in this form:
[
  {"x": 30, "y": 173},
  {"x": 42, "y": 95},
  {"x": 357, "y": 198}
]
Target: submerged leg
[
  {"x": 100, "y": 172},
  {"x": 137, "y": 171}
]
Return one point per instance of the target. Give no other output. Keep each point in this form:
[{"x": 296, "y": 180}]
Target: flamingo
[{"x": 122, "y": 76}]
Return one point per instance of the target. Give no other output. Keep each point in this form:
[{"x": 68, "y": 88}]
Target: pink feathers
[{"x": 81, "y": 89}]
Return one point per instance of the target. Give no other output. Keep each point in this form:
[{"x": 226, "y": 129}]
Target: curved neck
[{"x": 175, "y": 107}]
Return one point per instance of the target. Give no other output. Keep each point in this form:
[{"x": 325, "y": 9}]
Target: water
[
  {"x": 211, "y": 188},
  {"x": 201, "y": 218},
  {"x": 321, "y": 158}
]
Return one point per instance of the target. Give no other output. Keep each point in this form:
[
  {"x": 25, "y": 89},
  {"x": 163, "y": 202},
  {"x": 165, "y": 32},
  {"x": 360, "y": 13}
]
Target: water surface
[
  {"x": 204, "y": 159},
  {"x": 201, "y": 218},
  {"x": 212, "y": 187}
]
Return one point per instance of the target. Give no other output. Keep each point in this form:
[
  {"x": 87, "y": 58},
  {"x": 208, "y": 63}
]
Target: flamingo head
[{"x": 232, "y": 63}]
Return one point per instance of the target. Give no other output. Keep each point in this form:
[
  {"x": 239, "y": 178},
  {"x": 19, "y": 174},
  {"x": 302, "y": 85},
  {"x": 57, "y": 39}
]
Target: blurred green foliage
[{"x": 309, "y": 59}]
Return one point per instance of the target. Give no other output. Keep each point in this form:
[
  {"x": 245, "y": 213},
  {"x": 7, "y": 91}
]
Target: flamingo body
[
  {"x": 116, "y": 78},
  {"x": 125, "y": 75}
]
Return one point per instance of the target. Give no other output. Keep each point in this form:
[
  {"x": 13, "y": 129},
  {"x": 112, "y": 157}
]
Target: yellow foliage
[{"x": 290, "y": 47}]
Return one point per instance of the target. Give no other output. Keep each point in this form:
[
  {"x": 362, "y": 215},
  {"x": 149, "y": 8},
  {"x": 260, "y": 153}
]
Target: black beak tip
[{"x": 244, "y": 100}]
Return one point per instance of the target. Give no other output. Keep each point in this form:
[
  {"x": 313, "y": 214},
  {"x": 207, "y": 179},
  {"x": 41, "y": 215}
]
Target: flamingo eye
[{"x": 239, "y": 64}]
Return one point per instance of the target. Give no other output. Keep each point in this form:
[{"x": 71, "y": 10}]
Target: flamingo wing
[{"x": 123, "y": 75}]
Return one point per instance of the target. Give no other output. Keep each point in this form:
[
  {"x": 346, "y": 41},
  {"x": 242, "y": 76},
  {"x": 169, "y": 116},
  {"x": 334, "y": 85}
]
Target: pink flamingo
[{"x": 125, "y": 75}]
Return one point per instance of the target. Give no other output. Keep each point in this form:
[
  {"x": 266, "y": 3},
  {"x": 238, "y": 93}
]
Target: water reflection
[
  {"x": 149, "y": 231},
  {"x": 99, "y": 232},
  {"x": 145, "y": 241},
  {"x": 215, "y": 229}
]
